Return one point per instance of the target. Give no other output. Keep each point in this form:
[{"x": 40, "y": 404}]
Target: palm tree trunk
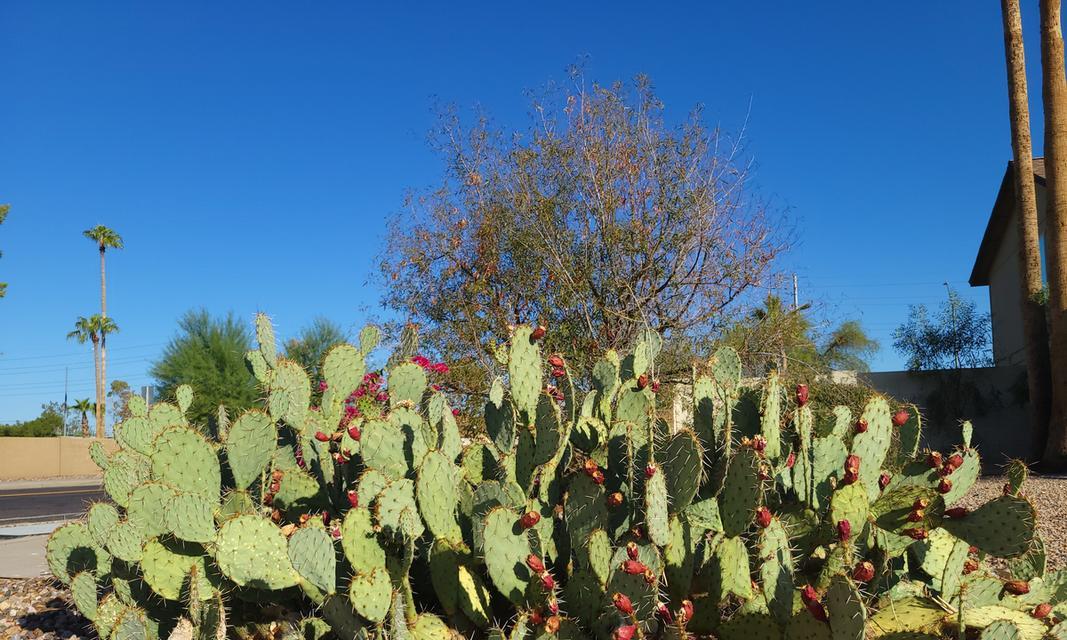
[
  {"x": 1035, "y": 330},
  {"x": 101, "y": 379},
  {"x": 97, "y": 409},
  {"x": 1054, "y": 98},
  {"x": 85, "y": 425}
]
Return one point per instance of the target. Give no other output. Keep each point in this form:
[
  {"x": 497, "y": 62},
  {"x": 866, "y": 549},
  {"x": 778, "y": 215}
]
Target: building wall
[
  {"x": 1005, "y": 301},
  {"x": 25, "y": 458},
  {"x": 1001, "y": 429}
]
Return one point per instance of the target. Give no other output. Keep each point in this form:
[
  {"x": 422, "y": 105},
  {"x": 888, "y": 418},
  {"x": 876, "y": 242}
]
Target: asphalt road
[{"x": 23, "y": 506}]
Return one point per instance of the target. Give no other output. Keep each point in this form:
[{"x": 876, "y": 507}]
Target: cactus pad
[
  {"x": 168, "y": 565},
  {"x": 726, "y": 368},
  {"x": 102, "y": 517},
  {"x": 437, "y": 495},
  {"x": 844, "y": 606},
  {"x": 407, "y": 383},
  {"x": 71, "y": 549},
  {"x": 682, "y": 462},
  {"x": 184, "y": 397},
  {"x": 313, "y": 556},
  {"x": 506, "y": 548},
  {"x": 250, "y": 443},
  {"x": 1002, "y": 527},
  {"x": 360, "y": 543},
  {"x": 83, "y": 593},
  {"x": 182, "y": 458},
  {"x": 382, "y": 448},
  {"x": 370, "y": 594},
  {"x": 732, "y": 562},
  {"x": 524, "y": 370},
  {"x": 741, "y": 492},
  {"x": 190, "y": 517},
  {"x": 290, "y": 394},
  {"x": 251, "y": 551}
]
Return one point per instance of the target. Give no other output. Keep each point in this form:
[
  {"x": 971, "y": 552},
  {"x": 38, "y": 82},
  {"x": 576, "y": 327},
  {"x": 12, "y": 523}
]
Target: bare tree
[
  {"x": 1035, "y": 329},
  {"x": 597, "y": 221},
  {"x": 1054, "y": 98}
]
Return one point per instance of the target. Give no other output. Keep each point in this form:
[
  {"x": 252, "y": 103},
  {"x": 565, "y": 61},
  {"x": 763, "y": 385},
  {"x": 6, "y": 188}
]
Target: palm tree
[
  {"x": 1034, "y": 327},
  {"x": 94, "y": 329},
  {"x": 83, "y": 407},
  {"x": 1054, "y": 100},
  {"x": 85, "y": 330},
  {"x": 105, "y": 238}
]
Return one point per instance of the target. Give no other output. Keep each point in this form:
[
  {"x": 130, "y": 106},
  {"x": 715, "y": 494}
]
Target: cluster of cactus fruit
[{"x": 577, "y": 512}]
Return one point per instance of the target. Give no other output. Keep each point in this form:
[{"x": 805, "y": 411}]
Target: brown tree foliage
[{"x": 597, "y": 221}]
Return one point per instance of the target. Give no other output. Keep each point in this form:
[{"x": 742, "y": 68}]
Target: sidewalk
[
  {"x": 23, "y": 557},
  {"x": 48, "y": 483}
]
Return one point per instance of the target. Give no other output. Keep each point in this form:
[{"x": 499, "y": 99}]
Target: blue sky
[{"x": 248, "y": 152}]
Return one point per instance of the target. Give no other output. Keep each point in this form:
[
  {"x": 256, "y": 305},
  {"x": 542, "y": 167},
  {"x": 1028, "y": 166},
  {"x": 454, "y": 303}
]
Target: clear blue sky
[{"x": 248, "y": 152}]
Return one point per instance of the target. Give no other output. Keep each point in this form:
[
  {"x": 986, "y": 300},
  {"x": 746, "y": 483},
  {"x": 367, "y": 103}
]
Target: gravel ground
[
  {"x": 39, "y": 608},
  {"x": 1049, "y": 496}
]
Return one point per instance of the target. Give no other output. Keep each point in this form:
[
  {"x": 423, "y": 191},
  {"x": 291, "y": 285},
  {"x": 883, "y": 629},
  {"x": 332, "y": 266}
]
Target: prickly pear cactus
[{"x": 573, "y": 511}]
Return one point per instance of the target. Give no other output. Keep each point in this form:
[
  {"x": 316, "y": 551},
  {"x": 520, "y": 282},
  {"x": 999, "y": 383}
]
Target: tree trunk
[
  {"x": 85, "y": 425},
  {"x": 101, "y": 384},
  {"x": 1035, "y": 330},
  {"x": 1054, "y": 98},
  {"x": 96, "y": 409}
]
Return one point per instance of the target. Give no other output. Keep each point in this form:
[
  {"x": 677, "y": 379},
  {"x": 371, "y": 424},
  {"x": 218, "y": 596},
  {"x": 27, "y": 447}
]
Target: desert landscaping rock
[{"x": 39, "y": 608}]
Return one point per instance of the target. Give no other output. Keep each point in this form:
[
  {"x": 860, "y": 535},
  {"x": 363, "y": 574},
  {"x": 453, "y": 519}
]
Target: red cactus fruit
[
  {"x": 934, "y": 459},
  {"x": 916, "y": 516},
  {"x": 844, "y": 530},
  {"x": 817, "y": 611},
  {"x": 1017, "y": 587},
  {"x": 536, "y": 617},
  {"x": 556, "y": 360},
  {"x": 861, "y": 426},
  {"x": 559, "y": 373},
  {"x": 809, "y": 594},
  {"x": 632, "y": 550},
  {"x": 849, "y": 477},
  {"x": 852, "y": 463},
  {"x": 650, "y": 578},
  {"x": 1042, "y": 610},
  {"x": 615, "y": 499},
  {"x": 633, "y": 567},
  {"x": 642, "y": 381},
  {"x": 354, "y": 433},
  {"x": 955, "y": 461},
  {"x": 957, "y": 512},
  {"x": 650, "y": 470},
  {"x": 973, "y": 550},
  {"x": 547, "y": 581},
  {"x": 944, "y": 486},
  {"x": 538, "y": 333},
  {"x": 863, "y": 572},
  {"x": 625, "y": 632},
  {"x": 970, "y": 565},
  {"x": 552, "y": 625},
  {"x": 598, "y": 476},
  {"x": 790, "y": 460},
  {"x": 764, "y": 475},
  {"x": 686, "y": 612},
  {"x": 529, "y": 519},
  {"x": 759, "y": 444},
  {"x": 763, "y": 517},
  {"x": 883, "y": 480},
  {"x": 920, "y": 503},
  {"x": 900, "y": 417},
  {"x": 353, "y": 499},
  {"x": 655, "y": 386},
  {"x": 589, "y": 466},
  {"x": 535, "y": 563},
  {"x": 623, "y": 604},
  {"x": 664, "y": 612},
  {"x": 553, "y": 605},
  {"x": 917, "y": 533},
  {"x": 802, "y": 395},
  {"x": 321, "y": 437}
]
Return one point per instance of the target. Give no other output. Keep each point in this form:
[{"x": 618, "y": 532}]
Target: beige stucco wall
[
  {"x": 48, "y": 457},
  {"x": 1005, "y": 295}
]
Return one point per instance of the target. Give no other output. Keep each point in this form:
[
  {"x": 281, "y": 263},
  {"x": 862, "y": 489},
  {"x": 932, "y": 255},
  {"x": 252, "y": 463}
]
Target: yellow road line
[{"x": 48, "y": 493}]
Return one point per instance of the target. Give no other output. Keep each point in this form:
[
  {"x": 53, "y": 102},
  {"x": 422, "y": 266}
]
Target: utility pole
[
  {"x": 796, "y": 294},
  {"x": 66, "y": 378},
  {"x": 955, "y": 331}
]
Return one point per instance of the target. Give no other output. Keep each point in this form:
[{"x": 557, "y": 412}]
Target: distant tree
[
  {"x": 208, "y": 354},
  {"x": 120, "y": 397},
  {"x": 598, "y": 220},
  {"x": 49, "y": 423},
  {"x": 777, "y": 337},
  {"x": 309, "y": 347},
  {"x": 104, "y": 238},
  {"x": 4, "y": 208},
  {"x": 83, "y": 407},
  {"x": 95, "y": 329},
  {"x": 958, "y": 336}
]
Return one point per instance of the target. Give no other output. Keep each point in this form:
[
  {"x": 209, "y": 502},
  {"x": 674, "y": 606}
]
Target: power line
[
  {"x": 67, "y": 355},
  {"x": 24, "y": 370}
]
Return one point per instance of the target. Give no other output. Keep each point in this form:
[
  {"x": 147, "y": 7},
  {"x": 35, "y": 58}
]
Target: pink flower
[
  {"x": 323, "y": 386},
  {"x": 455, "y": 412},
  {"x": 382, "y": 397},
  {"x": 440, "y": 367},
  {"x": 435, "y": 387},
  {"x": 360, "y": 392},
  {"x": 422, "y": 361}
]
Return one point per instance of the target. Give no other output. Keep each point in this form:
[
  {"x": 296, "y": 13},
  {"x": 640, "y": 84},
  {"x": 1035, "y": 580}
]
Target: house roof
[{"x": 999, "y": 220}]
